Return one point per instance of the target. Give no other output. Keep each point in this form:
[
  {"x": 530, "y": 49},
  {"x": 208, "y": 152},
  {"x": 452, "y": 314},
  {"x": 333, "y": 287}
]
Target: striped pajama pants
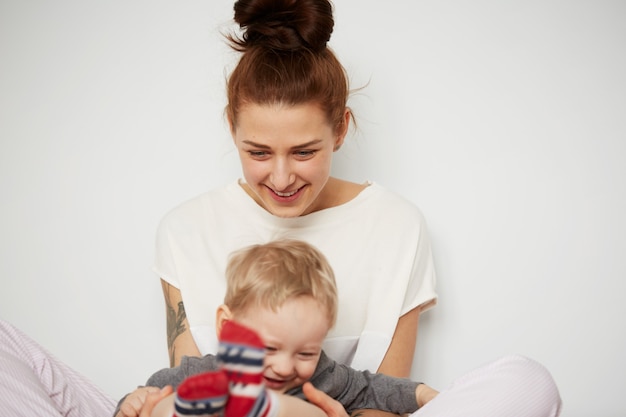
[
  {"x": 513, "y": 386},
  {"x": 34, "y": 383}
]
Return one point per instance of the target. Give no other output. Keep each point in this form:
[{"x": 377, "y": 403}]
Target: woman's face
[{"x": 286, "y": 153}]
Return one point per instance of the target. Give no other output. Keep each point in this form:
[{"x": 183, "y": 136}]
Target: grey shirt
[{"x": 353, "y": 389}]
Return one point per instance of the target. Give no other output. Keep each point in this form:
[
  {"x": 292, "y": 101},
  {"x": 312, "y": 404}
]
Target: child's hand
[{"x": 140, "y": 402}]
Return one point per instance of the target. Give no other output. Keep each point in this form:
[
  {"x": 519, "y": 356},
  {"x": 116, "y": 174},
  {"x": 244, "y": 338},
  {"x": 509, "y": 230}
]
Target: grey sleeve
[
  {"x": 174, "y": 376},
  {"x": 362, "y": 389},
  {"x": 188, "y": 366}
]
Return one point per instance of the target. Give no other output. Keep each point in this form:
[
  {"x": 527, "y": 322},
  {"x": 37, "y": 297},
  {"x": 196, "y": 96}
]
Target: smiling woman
[
  {"x": 286, "y": 153},
  {"x": 288, "y": 114}
]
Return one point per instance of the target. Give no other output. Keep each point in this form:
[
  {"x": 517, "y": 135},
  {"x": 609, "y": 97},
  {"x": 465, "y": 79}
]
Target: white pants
[
  {"x": 34, "y": 383},
  {"x": 513, "y": 386}
]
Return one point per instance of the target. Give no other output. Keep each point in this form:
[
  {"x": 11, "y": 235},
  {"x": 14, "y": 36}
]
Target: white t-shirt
[{"x": 377, "y": 245}]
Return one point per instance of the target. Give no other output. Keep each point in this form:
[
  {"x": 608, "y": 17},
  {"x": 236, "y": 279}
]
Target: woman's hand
[
  {"x": 331, "y": 407},
  {"x": 140, "y": 402}
]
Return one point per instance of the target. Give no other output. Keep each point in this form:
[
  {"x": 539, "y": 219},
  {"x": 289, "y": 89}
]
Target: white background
[{"x": 504, "y": 121}]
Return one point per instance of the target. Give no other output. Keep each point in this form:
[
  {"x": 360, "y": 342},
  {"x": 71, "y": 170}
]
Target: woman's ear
[
  {"x": 222, "y": 316},
  {"x": 342, "y": 130}
]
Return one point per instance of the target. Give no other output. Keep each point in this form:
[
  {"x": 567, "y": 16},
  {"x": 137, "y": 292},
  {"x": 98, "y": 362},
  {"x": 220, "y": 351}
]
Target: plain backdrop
[{"x": 504, "y": 121}]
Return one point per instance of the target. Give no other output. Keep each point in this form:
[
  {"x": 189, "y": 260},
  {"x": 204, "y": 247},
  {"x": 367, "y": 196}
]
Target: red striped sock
[
  {"x": 241, "y": 354},
  {"x": 202, "y": 395}
]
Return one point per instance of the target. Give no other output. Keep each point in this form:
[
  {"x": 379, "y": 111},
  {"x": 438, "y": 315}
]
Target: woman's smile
[{"x": 286, "y": 196}]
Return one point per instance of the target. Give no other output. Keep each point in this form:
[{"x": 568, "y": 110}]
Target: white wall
[{"x": 505, "y": 121}]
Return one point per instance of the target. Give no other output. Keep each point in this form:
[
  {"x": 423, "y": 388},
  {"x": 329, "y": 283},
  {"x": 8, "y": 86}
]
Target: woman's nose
[{"x": 282, "y": 175}]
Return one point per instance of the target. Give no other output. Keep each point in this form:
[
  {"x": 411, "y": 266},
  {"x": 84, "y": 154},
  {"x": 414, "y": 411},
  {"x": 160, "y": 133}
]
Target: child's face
[{"x": 293, "y": 337}]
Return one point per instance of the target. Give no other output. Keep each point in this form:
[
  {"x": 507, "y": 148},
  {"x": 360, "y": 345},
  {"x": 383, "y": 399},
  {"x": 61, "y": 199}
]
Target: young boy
[{"x": 284, "y": 290}]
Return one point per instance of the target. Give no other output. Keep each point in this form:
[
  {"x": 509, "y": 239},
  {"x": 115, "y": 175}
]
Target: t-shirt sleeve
[
  {"x": 420, "y": 289},
  {"x": 164, "y": 265},
  {"x": 406, "y": 279}
]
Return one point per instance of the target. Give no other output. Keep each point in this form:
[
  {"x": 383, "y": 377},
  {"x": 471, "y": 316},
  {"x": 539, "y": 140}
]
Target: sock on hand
[
  {"x": 202, "y": 395},
  {"x": 241, "y": 353}
]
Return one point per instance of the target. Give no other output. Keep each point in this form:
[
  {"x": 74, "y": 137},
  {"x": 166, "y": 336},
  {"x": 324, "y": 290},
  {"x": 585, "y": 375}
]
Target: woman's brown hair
[{"x": 285, "y": 58}]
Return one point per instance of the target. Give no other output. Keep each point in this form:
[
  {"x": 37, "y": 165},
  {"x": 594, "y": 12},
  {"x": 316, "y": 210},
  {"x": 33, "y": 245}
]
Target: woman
[
  {"x": 287, "y": 115},
  {"x": 287, "y": 112}
]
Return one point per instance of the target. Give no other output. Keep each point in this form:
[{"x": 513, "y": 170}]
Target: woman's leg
[
  {"x": 513, "y": 386},
  {"x": 35, "y": 383}
]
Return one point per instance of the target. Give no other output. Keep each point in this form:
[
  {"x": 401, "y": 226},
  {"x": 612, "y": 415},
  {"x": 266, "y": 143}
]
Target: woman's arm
[
  {"x": 179, "y": 340},
  {"x": 399, "y": 357}
]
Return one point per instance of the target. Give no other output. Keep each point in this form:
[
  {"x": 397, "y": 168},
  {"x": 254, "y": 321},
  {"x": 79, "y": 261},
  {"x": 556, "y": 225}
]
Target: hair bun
[{"x": 284, "y": 24}]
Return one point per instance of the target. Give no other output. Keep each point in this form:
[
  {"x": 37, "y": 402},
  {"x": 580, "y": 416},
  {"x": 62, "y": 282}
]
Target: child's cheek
[{"x": 310, "y": 370}]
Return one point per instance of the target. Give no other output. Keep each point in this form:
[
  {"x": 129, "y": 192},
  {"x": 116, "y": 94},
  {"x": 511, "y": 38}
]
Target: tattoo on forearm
[{"x": 175, "y": 327}]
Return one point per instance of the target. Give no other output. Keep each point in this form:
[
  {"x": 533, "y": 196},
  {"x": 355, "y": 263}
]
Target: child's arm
[
  {"x": 358, "y": 390},
  {"x": 135, "y": 404}
]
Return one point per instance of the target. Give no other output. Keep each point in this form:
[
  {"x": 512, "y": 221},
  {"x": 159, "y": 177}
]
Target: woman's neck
[
  {"x": 335, "y": 193},
  {"x": 338, "y": 192}
]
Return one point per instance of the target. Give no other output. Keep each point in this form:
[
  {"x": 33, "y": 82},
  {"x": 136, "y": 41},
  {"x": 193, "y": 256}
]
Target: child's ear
[{"x": 222, "y": 316}]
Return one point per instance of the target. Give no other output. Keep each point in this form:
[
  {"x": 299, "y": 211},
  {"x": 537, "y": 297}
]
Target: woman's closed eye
[
  {"x": 258, "y": 154},
  {"x": 304, "y": 153}
]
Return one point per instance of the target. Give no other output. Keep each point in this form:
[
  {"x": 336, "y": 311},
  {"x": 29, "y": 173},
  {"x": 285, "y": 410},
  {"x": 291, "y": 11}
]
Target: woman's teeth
[{"x": 278, "y": 193}]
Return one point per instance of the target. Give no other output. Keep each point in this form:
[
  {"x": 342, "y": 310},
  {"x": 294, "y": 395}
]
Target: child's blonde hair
[{"x": 268, "y": 275}]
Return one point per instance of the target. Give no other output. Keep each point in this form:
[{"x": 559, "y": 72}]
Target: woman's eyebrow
[
  {"x": 307, "y": 144},
  {"x": 303, "y": 145},
  {"x": 256, "y": 145}
]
